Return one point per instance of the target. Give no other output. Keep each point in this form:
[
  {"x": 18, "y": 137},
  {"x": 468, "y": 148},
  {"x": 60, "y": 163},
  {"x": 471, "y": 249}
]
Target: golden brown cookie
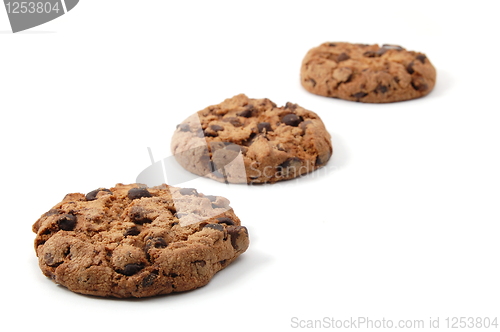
[
  {"x": 243, "y": 140},
  {"x": 134, "y": 241},
  {"x": 367, "y": 73}
]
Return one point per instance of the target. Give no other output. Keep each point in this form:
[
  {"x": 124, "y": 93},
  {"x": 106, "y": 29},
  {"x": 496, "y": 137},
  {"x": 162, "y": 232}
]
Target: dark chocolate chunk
[
  {"x": 321, "y": 160},
  {"x": 291, "y": 120},
  {"x": 247, "y": 112},
  {"x": 342, "y": 57},
  {"x": 421, "y": 58},
  {"x": 66, "y": 222},
  {"x": 216, "y": 128},
  {"x": 132, "y": 231},
  {"x": 381, "y": 88},
  {"x": 91, "y": 196},
  {"x": 359, "y": 95},
  {"x": 264, "y": 126},
  {"x": 233, "y": 120},
  {"x": 215, "y": 226},
  {"x": 131, "y": 269},
  {"x": 150, "y": 279},
  {"x": 291, "y": 162},
  {"x": 370, "y": 54},
  {"x": 225, "y": 220},
  {"x": 183, "y": 127},
  {"x": 409, "y": 68},
  {"x": 249, "y": 140},
  {"x": 155, "y": 242},
  {"x": 313, "y": 82},
  {"x": 136, "y": 193},
  {"x": 419, "y": 86},
  {"x": 332, "y": 44},
  {"x": 209, "y": 133},
  {"x": 188, "y": 191},
  {"x": 234, "y": 232},
  {"x": 139, "y": 215}
]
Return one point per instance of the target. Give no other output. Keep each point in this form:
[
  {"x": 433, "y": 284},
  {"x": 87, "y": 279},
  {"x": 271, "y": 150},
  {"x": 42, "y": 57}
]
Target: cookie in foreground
[
  {"x": 134, "y": 241},
  {"x": 244, "y": 140},
  {"x": 367, "y": 73}
]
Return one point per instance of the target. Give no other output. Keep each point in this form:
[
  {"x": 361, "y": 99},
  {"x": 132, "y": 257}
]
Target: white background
[{"x": 403, "y": 223}]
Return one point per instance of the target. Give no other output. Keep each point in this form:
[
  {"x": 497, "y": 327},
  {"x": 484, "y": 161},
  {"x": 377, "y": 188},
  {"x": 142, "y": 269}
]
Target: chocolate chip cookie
[
  {"x": 243, "y": 140},
  {"x": 134, "y": 241},
  {"x": 367, "y": 73}
]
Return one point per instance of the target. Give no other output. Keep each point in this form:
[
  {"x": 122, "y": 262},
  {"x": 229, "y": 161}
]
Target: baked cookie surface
[
  {"x": 134, "y": 241},
  {"x": 367, "y": 73},
  {"x": 243, "y": 140}
]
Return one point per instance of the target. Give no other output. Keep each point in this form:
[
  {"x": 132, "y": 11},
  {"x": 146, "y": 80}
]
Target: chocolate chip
[
  {"x": 291, "y": 106},
  {"x": 370, "y": 54},
  {"x": 216, "y": 128},
  {"x": 290, "y": 162},
  {"x": 264, "y": 126},
  {"x": 215, "y": 226},
  {"x": 139, "y": 215},
  {"x": 234, "y": 232},
  {"x": 149, "y": 279},
  {"x": 392, "y": 47},
  {"x": 396, "y": 79},
  {"x": 188, "y": 191},
  {"x": 249, "y": 140},
  {"x": 155, "y": 242},
  {"x": 183, "y": 127},
  {"x": 66, "y": 222},
  {"x": 91, "y": 196},
  {"x": 421, "y": 58},
  {"x": 200, "y": 263},
  {"x": 313, "y": 82},
  {"x": 322, "y": 159},
  {"x": 225, "y": 220},
  {"x": 247, "y": 112},
  {"x": 409, "y": 68},
  {"x": 291, "y": 120},
  {"x": 332, "y": 44},
  {"x": 342, "y": 57},
  {"x": 208, "y": 133},
  {"x": 359, "y": 95},
  {"x": 132, "y": 231},
  {"x": 419, "y": 86},
  {"x": 381, "y": 88},
  {"x": 233, "y": 120},
  {"x": 131, "y": 269},
  {"x": 136, "y": 193}
]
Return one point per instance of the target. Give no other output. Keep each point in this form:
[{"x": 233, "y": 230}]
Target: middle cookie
[{"x": 243, "y": 140}]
